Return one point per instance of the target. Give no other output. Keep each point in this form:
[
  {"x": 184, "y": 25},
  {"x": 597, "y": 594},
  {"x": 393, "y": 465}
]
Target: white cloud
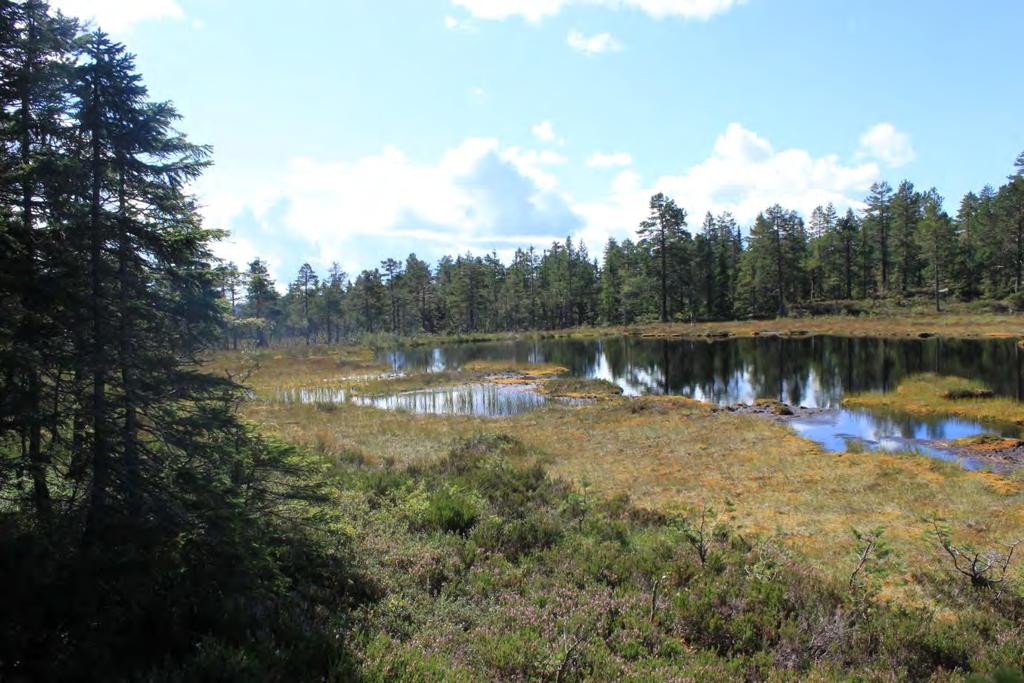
[
  {"x": 744, "y": 174},
  {"x": 119, "y": 16},
  {"x": 593, "y": 45},
  {"x": 887, "y": 144},
  {"x": 530, "y": 163},
  {"x": 479, "y": 92},
  {"x": 482, "y": 195},
  {"x": 453, "y": 24},
  {"x": 616, "y": 159},
  {"x": 479, "y": 196},
  {"x": 544, "y": 131},
  {"x": 536, "y": 10}
]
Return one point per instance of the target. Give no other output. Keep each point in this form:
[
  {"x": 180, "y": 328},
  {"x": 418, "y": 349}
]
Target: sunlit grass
[
  {"x": 671, "y": 454},
  {"x": 574, "y": 387},
  {"x": 530, "y": 371},
  {"x": 929, "y": 394},
  {"x": 905, "y": 324},
  {"x": 889, "y": 320},
  {"x": 312, "y": 366}
]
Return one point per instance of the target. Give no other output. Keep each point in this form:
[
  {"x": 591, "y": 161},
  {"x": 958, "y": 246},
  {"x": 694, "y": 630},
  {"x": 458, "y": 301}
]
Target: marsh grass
[
  {"x": 297, "y": 366},
  {"x": 669, "y": 455},
  {"x": 934, "y": 395},
  {"x": 883, "y": 319},
  {"x": 577, "y": 388},
  {"x": 528, "y": 371}
]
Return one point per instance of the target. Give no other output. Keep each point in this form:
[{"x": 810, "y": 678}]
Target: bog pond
[{"x": 812, "y": 374}]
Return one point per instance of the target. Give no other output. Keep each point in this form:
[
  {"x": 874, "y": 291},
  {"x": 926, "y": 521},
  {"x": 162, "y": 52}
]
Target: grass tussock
[
  {"x": 930, "y": 394},
  {"x": 571, "y": 387},
  {"x": 529, "y": 371}
]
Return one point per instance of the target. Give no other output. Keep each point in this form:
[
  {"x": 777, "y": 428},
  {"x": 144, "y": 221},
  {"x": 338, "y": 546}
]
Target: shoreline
[{"x": 905, "y": 326}]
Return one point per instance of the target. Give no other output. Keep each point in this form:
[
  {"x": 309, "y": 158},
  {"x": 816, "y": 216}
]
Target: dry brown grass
[
  {"x": 896, "y": 322},
  {"x": 529, "y": 371},
  {"x": 673, "y": 454},
  {"x": 296, "y": 367},
  {"x": 905, "y": 325}
]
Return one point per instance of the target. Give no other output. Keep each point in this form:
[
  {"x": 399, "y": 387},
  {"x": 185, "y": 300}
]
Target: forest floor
[{"x": 667, "y": 454}]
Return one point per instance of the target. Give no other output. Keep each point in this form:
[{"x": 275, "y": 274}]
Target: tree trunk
[
  {"x": 129, "y": 431},
  {"x": 664, "y": 278},
  {"x": 36, "y": 460},
  {"x": 100, "y": 448},
  {"x": 779, "y": 269}
]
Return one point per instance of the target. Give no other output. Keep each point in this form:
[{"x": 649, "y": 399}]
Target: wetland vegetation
[{"x": 481, "y": 471}]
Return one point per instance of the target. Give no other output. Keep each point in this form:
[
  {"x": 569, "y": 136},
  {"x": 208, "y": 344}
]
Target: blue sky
[{"x": 353, "y": 130}]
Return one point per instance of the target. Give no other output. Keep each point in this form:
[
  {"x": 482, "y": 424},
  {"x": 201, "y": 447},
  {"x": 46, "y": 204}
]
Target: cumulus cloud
[
  {"x": 593, "y": 45},
  {"x": 482, "y": 195},
  {"x": 613, "y": 160},
  {"x": 119, "y": 16},
  {"x": 544, "y": 131},
  {"x": 536, "y": 10},
  {"x": 744, "y": 174},
  {"x": 887, "y": 144},
  {"x": 478, "y": 196}
]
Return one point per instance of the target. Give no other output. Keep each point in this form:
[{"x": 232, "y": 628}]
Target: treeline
[
  {"x": 141, "y": 523},
  {"x": 903, "y": 244}
]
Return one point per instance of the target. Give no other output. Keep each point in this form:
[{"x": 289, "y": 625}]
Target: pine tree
[
  {"x": 418, "y": 283},
  {"x": 392, "y": 273},
  {"x": 306, "y": 284},
  {"x": 905, "y": 210},
  {"x": 1011, "y": 203},
  {"x": 333, "y": 293},
  {"x": 936, "y": 237},
  {"x": 879, "y": 217},
  {"x": 821, "y": 248},
  {"x": 663, "y": 233},
  {"x": 968, "y": 235},
  {"x": 261, "y": 294},
  {"x": 848, "y": 233}
]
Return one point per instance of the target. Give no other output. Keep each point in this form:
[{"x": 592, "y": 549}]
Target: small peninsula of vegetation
[{"x": 936, "y": 395}]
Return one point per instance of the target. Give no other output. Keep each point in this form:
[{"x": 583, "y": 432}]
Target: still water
[
  {"x": 815, "y": 372},
  {"x": 812, "y": 372},
  {"x": 488, "y": 400},
  {"x": 477, "y": 399}
]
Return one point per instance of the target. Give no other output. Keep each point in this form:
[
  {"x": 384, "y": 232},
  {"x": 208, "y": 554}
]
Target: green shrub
[{"x": 450, "y": 509}]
